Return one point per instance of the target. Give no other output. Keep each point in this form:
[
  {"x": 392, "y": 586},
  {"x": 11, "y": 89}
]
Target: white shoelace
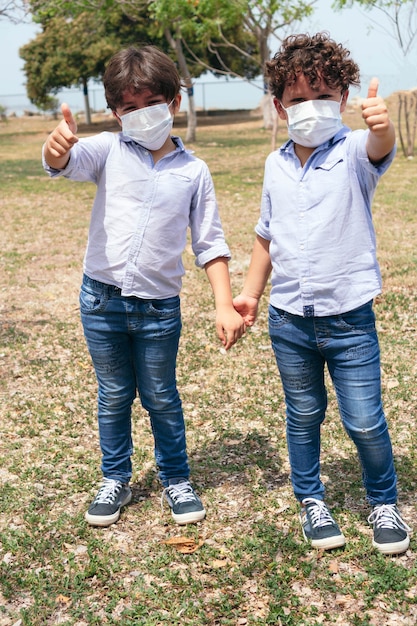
[
  {"x": 387, "y": 516},
  {"x": 108, "y": 492},
  {"x": 318, "y": 512},
  {"x": 179, "y": 493}
]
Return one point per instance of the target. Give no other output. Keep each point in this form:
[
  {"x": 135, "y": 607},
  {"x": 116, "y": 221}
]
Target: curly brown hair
[{"x": 318, "y": 57}]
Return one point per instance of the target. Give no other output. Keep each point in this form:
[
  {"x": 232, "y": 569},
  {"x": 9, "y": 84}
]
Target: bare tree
[
  {"x": 407, "y": 122},
  {"x": 14, "y": 10},
  {"x": 399, "y": 18}
]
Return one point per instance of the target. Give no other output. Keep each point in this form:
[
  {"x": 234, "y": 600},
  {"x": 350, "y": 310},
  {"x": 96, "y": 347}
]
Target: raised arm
[
  {"x": 59, "y": 143},
  {"x": 246, "y": 303},
  {"x": 375, "y": 113}
]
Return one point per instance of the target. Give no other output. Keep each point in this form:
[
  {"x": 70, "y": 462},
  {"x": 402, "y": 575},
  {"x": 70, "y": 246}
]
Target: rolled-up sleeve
[{"x": 207, "y": 235}]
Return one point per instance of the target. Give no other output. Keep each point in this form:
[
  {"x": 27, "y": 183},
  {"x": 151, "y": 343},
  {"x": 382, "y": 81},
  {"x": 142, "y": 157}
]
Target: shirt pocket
[{"x": 329, "y": 164}]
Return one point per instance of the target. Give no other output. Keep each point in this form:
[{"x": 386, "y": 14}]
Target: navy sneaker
[
  {"x": 319, "y": 527},
  {"x": 186, "y": 506},
  {"x": 390, "y": 531},
  {"x": 105, "y": 508}
]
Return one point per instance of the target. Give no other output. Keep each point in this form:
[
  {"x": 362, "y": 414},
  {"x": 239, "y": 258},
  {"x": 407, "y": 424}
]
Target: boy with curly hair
[{"x": 315, "y": 236}]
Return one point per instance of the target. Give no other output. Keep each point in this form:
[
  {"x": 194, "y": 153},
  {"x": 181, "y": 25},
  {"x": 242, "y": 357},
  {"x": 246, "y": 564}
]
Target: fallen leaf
[
  {"x": 60, "y": 599},
  {"x": 185, "y": 545},
  {"x": 219, "y": 563}
]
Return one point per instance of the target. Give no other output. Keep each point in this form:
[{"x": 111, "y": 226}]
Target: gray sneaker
[
  {"x": 186, "y": 506},
  {"x": 105, "y": 508},
  {"x": 319, "y": 527},
  {"x": 390, "y": 531}
]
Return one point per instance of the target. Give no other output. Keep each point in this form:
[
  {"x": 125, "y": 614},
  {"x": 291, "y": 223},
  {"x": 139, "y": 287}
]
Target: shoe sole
[
  {"x": 327, "y": 543},
  {"x": 398, "y": 547},
  {"x": 107, "y": 520},
  {"x": 189, "y": 518}
]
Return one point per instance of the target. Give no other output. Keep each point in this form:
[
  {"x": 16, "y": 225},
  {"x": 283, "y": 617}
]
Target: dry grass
[{"x": 251, "y": 566}]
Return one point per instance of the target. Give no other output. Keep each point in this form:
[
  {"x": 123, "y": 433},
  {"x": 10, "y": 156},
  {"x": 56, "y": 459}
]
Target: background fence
[
  {"x": 209, "y": 94},
  {"x": 212, "y": 94}
]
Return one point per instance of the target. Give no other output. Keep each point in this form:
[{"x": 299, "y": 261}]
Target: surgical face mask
[
  {"x": 313, "y": 122},
  {"x": 149, "y": 126}
]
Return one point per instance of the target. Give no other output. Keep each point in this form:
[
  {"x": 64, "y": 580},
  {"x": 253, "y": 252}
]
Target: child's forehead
[
  {"x": 304, "y": 80},
  {"x": 303, "y": 83},
  {"x": 132, "y": 95}
]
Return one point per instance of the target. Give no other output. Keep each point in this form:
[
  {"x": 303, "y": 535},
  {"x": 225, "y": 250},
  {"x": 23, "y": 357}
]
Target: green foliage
[
  {"x": 369, "y": 4},
  {"x": 223, "y": 36},
  {"x": 72, "y": 50},
  {"x": 235, "y": 32}
]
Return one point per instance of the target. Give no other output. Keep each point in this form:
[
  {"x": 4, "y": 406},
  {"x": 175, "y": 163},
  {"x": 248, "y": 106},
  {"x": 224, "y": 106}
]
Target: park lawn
[{"x": 246, "y": 564}]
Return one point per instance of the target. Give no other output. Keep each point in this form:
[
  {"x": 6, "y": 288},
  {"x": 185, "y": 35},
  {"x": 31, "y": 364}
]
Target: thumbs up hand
[
  {"x": 374, "y": 110},
  {"x": 61, "y": 140},
  {"x": 381, "y": 139},
  {"x": 69, "y": 118}
]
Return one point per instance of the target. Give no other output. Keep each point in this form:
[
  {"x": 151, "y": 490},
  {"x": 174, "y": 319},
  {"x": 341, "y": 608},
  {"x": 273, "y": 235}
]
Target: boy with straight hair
[
  {"x": 315, "y": 235},
  {"x": 150, "y": 189}
]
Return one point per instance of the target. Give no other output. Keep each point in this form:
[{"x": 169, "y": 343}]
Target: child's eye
[{"x": 126, "y": 110}]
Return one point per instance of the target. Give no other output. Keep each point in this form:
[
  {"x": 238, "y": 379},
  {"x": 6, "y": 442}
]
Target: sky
[{"x": 374, "y": 50}]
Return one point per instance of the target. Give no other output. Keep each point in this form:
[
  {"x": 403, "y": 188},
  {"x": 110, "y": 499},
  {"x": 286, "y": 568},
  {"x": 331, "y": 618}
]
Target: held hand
[
  {"x": 247, "y": 307},
  {"x": 63, "y": 137},
  {"x": 374, "y": 110},
  {"x": 230, "y": 326}
]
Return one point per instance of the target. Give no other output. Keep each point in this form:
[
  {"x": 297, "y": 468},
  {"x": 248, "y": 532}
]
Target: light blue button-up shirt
[
  {"x": 319, "y": 223},
  {"x": 142, "y": 211}
]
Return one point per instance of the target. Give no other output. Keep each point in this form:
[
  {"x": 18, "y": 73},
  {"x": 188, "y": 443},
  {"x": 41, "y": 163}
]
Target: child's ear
[
  {"x": 282, "y": 114},
  {"x": 117, "y": 118},
  {"x": 343, "y": 101},
  {"x": 177, "y": 103}
]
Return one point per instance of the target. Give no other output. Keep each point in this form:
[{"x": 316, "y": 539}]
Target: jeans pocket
[
  {"x": 277, "y": 317},
  {"x": 168, "y": 308},
  {"x": 360, "y": 320},
  {"x": 92, "y": 300}
]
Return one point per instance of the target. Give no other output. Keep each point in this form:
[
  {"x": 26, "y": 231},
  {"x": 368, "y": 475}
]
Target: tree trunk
[
  {"x": 86, "y": 103},
  {"x": 175, "y": 43}
]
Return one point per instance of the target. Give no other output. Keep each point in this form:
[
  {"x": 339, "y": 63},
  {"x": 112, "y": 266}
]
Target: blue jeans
[
  {"x": 133, "y": 344},
  {"x": 348, "y": 344}
]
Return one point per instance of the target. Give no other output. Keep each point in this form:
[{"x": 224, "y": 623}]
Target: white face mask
[
  {"x": 149, "y": 126},
  {"x": 313, "y": 122}
]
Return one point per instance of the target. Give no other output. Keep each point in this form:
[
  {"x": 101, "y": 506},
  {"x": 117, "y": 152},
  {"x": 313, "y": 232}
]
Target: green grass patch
[{"x": 252, "y": 567}]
